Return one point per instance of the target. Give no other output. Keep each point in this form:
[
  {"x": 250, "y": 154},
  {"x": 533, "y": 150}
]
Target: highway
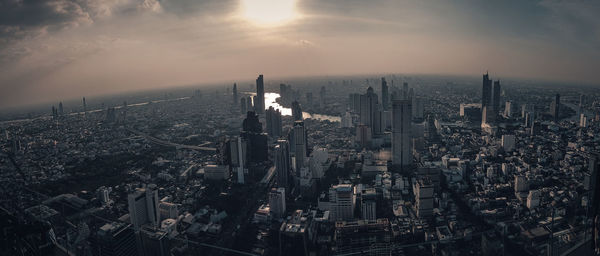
[{"x": 168, "y": 143}]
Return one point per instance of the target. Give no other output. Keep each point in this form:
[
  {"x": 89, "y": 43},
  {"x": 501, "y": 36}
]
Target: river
[{"x": 271, "y": 101}]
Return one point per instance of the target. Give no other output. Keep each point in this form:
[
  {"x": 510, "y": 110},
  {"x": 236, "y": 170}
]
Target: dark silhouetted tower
[
  {"x": 84, "y": 106},
  {"x": 368, "y": 109},
  {"x": 296, "y": 111},
  {"x": 249, "y": 104},
  {"x": 259, "y": 105},
  {"x": 496, "y": 98},
  {"x": 401, "y": 130},
  {"x": 385, "y": 97},
  {"x": 486, "y": 91},
  {"x": 256, "y": 141},
  {"x": 243, "y": 105},
  {"x": 235, "y": 94},
  {"x": 300, "y": 147},
  {"x": 60, "y": 109},
  {"x": 283, "y": 163},
  {"x": 274, "y": 124}
]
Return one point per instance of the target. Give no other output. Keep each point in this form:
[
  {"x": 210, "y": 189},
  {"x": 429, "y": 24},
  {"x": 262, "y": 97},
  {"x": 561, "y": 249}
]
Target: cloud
[{"x": 60, "y": 48}]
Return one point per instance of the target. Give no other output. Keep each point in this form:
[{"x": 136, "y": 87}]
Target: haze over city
[
  {"x": 299, "y": 128},
  {"x": 60, "y": 49}
]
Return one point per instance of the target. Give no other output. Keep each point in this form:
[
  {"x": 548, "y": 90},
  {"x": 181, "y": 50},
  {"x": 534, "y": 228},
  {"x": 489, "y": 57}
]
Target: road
[{"x": 168, "y": 143}]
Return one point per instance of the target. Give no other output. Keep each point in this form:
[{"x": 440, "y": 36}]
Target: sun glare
[{"x": 268, "y": 12}]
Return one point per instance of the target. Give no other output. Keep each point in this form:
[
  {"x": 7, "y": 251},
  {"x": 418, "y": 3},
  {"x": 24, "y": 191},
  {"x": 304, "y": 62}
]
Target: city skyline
[
  {"x": 299, "y": 127},
  {"x": 57, "y": 50}
]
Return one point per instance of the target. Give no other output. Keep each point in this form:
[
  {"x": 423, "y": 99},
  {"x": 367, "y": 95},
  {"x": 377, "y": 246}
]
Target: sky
[{"x": 52, "y": 50}]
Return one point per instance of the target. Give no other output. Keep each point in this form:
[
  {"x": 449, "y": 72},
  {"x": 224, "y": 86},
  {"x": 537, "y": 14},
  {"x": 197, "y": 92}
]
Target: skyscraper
[
  {"x": 496, "y": 99},
  {"x": 259, "y": 105},
  {"x": 243, "y": 105},
  {"x": 594, "y": 197},
  {"x": 60, "y": 109},
  {"x": 296, "y": 111},
  {"x": 235, "y": 94},
  {"x": 143, "y": 206},
  {"x": 368, "y": 204},
  {"x": 84, "y": 106},
  {"x": 368, "y": 108},
  {"x": 401, "y": 129},
  {"x": 300, "y": 147},
  {"x": 341, "y": 203},
  {"x": 283, "y": 163},
  {"x": 237, "y": 154},
  {"x": 363, "y": 135},
  {"x": 249, "y": 105},
  {"x": 486, "y": 91},
  {"x": 508, "y": 109},
  {"x": 277, "y": 202},
  {"x": 256, "y": 140},
  {"x": 114, "y": 239},
  {"x": 274, "y": 124},
  {"x": 385, "y": 97}
]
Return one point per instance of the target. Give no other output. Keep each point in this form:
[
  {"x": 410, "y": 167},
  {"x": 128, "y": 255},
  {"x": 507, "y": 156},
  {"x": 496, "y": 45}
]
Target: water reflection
[{"x": 270, "y": 101}]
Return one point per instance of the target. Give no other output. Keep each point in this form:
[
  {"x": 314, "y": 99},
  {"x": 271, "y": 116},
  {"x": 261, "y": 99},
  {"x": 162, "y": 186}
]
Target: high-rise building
[
  {"x": 582, "y": 120},
  {"x": 243, "y": 106},
  {"x": 300, "y": 145},
  {"x": 487, "y": 115},
  {"x": 368, "y": 111},
  {"x": 256, "y": 140},
  {"x": 274, "y": 125},
  {"x": 283, "y": 163},
  {"x": 521, "y": 184},
  {"x": 251, "y": 123},
  {"x": 593, "y": 168},
  {"x": 114, "y": 239},
  {"x": 237, "y": 157},
  {"x": 508, "y": 143},
  {"x": 84, "y": 106},
  {"x": 401, "y": 132},
  {"x": 143, "y": 206},
  {"x": 341, "y": 202},
  {"x": 508, "y": 109},
  {"x": 354, "y": 102},
  {"x": 322, "y": 95},
  {"x": 155, "y": 242},
  {"x": 486, "y": 91},
  {"x": 249, "y": 105},
  {"x": 368, "y": 204},
  {"x": 533, "y": 199},
  {"x": 385, "y": 97},
  {"x": 423, "y": 190},
  {"x": 405, "y": 91},
  {"x": 363, "y": 237},
  {"x": 235, "y": 94},
  {"x": 168, "y": 210},
  {"x": 216, "y": 172},
  {"x": 296, "y": 111},
  {"x": 496, "y": 98},
  {"x": 61, "y": 110},
  {"x": 259, "y": 105},
  {"x": 417, "y": 108},
  {"x": 432, "y": 133},
  {"x": 555, "y": 107},
  {"x": 363, "y": 135},
  {"x": 277, "y": 202}
]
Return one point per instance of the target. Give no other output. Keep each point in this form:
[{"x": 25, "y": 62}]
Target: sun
[{"x": 268, "y": 12}]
